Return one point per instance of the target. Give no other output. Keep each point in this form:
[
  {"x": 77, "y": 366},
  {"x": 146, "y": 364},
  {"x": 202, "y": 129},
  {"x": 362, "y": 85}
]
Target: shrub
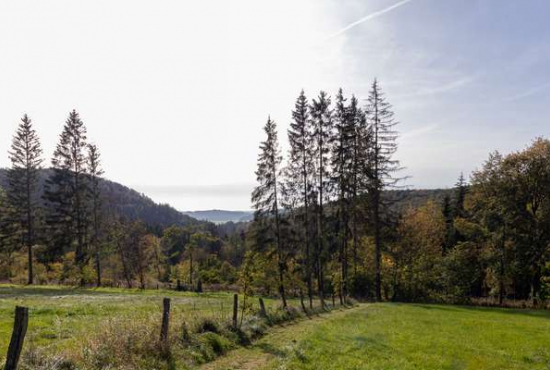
[{"x": 207, "y": 324}]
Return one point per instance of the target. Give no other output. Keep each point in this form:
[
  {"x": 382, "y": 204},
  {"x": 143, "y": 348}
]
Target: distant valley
[{"x": 218, "y": 216}]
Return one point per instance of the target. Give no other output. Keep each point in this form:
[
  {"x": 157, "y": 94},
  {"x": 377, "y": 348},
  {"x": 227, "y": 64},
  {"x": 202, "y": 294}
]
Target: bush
[{"x": 207, "y": 324}]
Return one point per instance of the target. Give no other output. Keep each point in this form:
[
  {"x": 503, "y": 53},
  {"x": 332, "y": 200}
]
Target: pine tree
[
  {"x": 265, "y": 196},
  {"x": 66, "y": 192},
  {"x": 299, "y": 171},
  {"x": 447, "y": 211},
  {"x": 383, "y": 166},
  {"x": 461, "y": 187},
  {"x": 95, "y": 172},
  {"x": 321, "y": 121},
  {"x": 362, "y": 149},
  {"x": 10, "y": 234},
  {"x": 25, "y": 156},
  {"x": 342, "y": 180}
]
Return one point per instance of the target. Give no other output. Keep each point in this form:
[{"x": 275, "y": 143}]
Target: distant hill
[
  {"x": 218, "y": 216},
  {"x": 130, "y": 204},
  {"x": 401, "y": 200},
  {"x": 133, "y": 205}
]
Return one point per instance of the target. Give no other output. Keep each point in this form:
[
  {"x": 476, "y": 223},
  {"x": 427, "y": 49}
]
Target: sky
[{"x": 176, "y": 93}]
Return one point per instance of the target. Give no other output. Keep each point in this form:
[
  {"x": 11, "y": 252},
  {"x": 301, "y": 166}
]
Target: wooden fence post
[
  {"x": 17, "y": 337},
  {"x": 235, "y": 309},
  {"x": 263, "y": 312},
  {"x": 302, "y": 303},
  {"x": 165, "y": 320}
]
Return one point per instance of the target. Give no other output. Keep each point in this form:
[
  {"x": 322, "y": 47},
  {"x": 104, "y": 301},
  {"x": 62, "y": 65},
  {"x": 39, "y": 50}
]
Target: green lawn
[{"x": 404, "y": 336}]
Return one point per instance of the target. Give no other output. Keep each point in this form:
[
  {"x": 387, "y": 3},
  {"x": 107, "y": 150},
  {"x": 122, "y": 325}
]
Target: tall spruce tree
[
  {"x": 321, "y": 122},
  {"x": 95, "y": 172},
  {"x": 11, "y": 235},
  {"x": 342, "y": 178},
  {"x": 66, "y": 192},
  {"x": 26, "y": 161},
  {"x": 383, "y": 166},
  {"x": 299, "y": 171},
  {"x": 265, "y": 196},
  {"x": 461, "y": 187},
  {"x": 362, "y": 150}
]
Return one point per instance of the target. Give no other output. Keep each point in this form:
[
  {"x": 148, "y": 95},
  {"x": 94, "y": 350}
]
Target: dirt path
[{"x": 276, "y": 344}]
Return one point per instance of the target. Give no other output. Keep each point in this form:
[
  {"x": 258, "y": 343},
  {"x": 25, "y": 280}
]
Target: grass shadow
[{"x": 509, "y": 311}]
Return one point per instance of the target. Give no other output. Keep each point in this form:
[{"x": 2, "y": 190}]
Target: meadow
[
  {"x": 95, "y": 327},
  {"x": 404, "y": 336},
  {"x": 64, "y": 320}
]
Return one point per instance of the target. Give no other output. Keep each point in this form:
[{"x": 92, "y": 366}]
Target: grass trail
[{"x": 404, "y": 336}]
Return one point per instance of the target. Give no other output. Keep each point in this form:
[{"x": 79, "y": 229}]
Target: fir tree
[
  {"x": 383, "y": 166},
  {"x": 10, "y": 235},
  {"x": 265, "y": 196},
  {"x": 299, "y": 171},
  {"x": 342, "y": 178},
  {"x": 95, "y": 172},
  {"x": 461, "y": 188},
  {"x": 447, "y": 211},
  {"x": 361, "y": 149},
  {"x": 66, "y": 192},
  {"x": 321, "y": 120},
  {"x": 25, "y": 156}
]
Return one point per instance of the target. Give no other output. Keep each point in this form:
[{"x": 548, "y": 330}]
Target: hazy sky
[{"x": 175, "y": 93}]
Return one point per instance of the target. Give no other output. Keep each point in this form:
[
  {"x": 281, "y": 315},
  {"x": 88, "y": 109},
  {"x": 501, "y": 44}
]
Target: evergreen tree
[
  {"x": 10, "y": 236},
  {"x": 25, "y": 156},
  {"x": 461, "y": 188},
  {"x": 299, "y": 176},
  {"x": 321, "y": 117},
  {"x": 95, "y": 172},
  {"x": 265, "y": 196},
  {"x": 342, "y": 180},
  {"x": 360, "y": 172},
  {"x": 447, "y": 211},
  {"x": 383, "y": 166},
  {"x": 66, "y": 192}
]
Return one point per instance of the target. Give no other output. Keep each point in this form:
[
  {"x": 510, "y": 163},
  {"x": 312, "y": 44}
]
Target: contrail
[
  {"x": 530, "y": 92},
  {"x": 369, "y": 17}
]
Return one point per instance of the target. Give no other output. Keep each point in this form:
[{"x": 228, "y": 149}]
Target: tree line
[
  {"x": 326, "y": 217},
  {"x": 329, "y": 221},
  {"x": 68, "y": 231},
  {"x": 329, "y": 192}
]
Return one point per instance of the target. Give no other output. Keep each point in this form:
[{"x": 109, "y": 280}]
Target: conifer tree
[
  {"x": 265, "y": 196},
  {"x": 321, "y": 120},
  {"x": 299, "y": 176},
  {"x": 95, "y": 172},
  {"x": 362, "y": 150},
  {"x": 342, "y": 178},
  {"x": 25, "y": 156},
  {"x": 461, "y": 187},
  {"x": 447, "y": 211},
  {"x": 383, "y": 167},
  {"x": 66, "y": 192},
  {"x": 10, "y": 235}
]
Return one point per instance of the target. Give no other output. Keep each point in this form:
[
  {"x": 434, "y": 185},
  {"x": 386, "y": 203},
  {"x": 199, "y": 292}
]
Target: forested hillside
[{"x": 126, "y": 203}]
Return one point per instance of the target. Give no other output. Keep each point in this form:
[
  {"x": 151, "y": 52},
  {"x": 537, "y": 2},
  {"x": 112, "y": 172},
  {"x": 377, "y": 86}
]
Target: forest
[{"x": 329, "y": 223}]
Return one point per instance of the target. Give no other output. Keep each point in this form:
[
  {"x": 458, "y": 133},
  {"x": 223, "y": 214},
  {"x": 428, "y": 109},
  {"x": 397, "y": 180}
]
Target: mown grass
[
  {"x": 405, "y": 336},
  {"x": 64, "y": 319}
]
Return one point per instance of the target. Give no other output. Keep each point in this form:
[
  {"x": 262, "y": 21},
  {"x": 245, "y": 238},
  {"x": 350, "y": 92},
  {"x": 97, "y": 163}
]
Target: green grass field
[
  {"x": 370, "y": 336},
  {"x": 404, "y": 336},
  {"x": 62, "y": 318}
]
